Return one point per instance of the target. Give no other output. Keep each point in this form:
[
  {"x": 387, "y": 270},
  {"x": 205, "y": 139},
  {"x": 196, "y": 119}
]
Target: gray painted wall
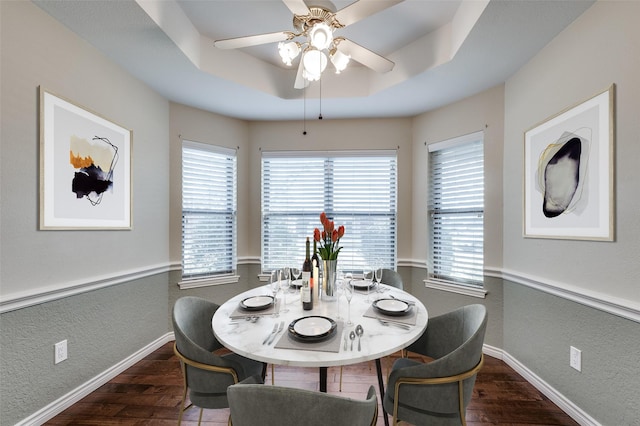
[
  {"x": 102, "y": 327},
  {"x": 538, "y": 330},
  {"x": 598, "y": 49},
  {"x": 601, "y": 47}
]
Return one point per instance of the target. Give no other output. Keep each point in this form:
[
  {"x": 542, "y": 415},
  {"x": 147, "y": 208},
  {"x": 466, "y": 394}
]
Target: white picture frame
[
  {"x": 569, "y": 173},
  {"x": 85, "y": 168}
]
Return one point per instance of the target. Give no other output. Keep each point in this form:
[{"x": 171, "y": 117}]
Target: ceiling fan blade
[
  {"x": 365, "y": 56},
  {"x": 301, "y": 82},
  {"x": 297, "y": 7},
  {"x": 254, "y": 40},
  {"x": 361, "y": 9}
]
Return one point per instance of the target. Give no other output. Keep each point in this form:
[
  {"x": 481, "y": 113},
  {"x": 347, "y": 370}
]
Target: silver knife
[
  {"x": 275, "y": 328},
  {"x": 273, "y": 336}
]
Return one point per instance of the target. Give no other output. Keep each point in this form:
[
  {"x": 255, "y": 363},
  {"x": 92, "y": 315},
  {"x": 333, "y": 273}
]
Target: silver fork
[
  {"x": 273, "y": 337},
  {"x": 275, "y": 329},
  {"x": 397, "y": 324}
]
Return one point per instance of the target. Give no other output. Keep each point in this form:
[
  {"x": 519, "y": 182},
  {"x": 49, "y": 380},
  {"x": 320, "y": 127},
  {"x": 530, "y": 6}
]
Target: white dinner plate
[
  {"x": 391, "y": 306},
  {"x": 312, "y": 328},
  {"x": 362, "y": 284},
  {"x": 257, "y": 303}
]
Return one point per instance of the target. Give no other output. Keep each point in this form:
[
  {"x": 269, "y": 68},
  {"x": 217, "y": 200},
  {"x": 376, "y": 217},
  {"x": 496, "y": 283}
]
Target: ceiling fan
[{"x": 316, "y": 25}]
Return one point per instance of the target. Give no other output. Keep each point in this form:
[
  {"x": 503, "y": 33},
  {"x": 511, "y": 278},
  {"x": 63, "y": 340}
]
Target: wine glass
[
  {"x": 379, "y": 277},
  {"x": 284, "y": 285},
  {"x": 339, "y": 291},
  {"x": 367, "y": 276},
  {"x": 348, "y": 292},
  {"x": 295, "y": 274},
  {"x": 275, "y": 286}
]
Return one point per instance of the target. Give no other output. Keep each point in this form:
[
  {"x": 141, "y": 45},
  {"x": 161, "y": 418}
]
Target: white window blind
[
  {"x": 208, "y": 210},
  {"x": 456, "y": 210},
  {"x": 355, "y": 189}
]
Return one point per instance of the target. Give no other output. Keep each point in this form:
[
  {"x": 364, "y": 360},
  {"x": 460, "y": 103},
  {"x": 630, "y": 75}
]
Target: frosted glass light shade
[
  {"x": 321, "y": 36},
  {"x": 314, "y": 62},
  {"x": 339, "y": 60},
  {"x": 288, "y": 51}
]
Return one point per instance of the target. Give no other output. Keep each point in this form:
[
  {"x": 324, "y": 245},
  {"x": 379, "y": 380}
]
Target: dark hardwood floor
[{"x": 149, "y": 394}]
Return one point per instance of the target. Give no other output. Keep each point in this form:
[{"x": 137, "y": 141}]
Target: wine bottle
[
  {"x": 315, "y": 261},
  {"x": 306, "y": 292}
]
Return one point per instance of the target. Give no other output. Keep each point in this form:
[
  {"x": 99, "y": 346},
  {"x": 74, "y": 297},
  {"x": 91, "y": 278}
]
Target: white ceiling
[{"x": 443, "y": 50}]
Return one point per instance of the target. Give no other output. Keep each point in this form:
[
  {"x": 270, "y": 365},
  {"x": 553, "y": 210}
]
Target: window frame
[
  {"x": 212, "y": 277},
  {"x": 340, "y": 216},
  {"x": 457, "y": 284}
]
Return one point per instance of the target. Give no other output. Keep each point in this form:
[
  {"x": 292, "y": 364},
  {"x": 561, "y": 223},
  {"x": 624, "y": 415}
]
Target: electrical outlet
[
  {"x": 575, "y": 358},
  {"x": 60, "y": 352}
]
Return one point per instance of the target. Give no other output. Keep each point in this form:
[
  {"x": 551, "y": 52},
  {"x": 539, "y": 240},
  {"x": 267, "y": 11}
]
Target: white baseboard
[
  {"x": 66, "y": 401},
  {"x": 492, "y": 351},
  {"x": 575, "y": 412}
]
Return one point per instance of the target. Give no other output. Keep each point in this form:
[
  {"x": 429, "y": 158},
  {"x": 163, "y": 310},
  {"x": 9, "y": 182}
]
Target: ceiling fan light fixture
[
  {"x": 288, "y": 51},
  {"x": 314, "y": 62},
  {"x": 321, "y": 36},
  {"x": 339, "y": 60}
]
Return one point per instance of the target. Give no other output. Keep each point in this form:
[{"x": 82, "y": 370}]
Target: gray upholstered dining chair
[
  {"x": 206, "y": 374},
  {"x": 439, "y": 391},
  {"x": 392, "y": 278},
  {"x": 276, "y": 405}
]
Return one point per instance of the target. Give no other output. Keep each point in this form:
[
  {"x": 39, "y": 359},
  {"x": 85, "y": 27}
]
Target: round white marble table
[{"x": 246, "y": 338}]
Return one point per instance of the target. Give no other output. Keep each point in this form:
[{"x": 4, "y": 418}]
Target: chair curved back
[
  {"x": 392, "y": 278},
  {"x": 455, "y": 342},
  {"x": 207, "y": 375},
  {"x": 275, "y": 405}
]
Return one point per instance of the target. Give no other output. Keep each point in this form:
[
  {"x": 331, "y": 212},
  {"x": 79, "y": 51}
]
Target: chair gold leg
[
  {"x": 340, "y": 379},
  {"x": 273, "y": 376},
  {"x": 200, "y": 417},
  {"x": 461, "y": 403}
]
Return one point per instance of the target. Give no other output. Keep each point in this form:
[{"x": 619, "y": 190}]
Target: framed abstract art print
[
  {"x": 85, "y": 168},
  {"x": 569, "y": 173}
]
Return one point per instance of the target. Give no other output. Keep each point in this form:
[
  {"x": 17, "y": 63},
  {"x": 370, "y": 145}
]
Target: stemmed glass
[
  {"x": 367, "y": 275},
  {"x": 295, "y": 274},
  {"x": 275, "y": 286},
  {"x": 284, "y": 285},
  {"x": 339, "y": 291},
  {"x": 379, "y": 277},
  {"x": 348, "y": 292}
]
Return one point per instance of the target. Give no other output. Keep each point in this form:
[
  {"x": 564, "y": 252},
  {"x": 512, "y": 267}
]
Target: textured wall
[
  {"x": 539, "y": 329},
  {"x": 39, "y": 51},
  {"x": 102, "y": 328},
  {"x": 601, "y": 47}
]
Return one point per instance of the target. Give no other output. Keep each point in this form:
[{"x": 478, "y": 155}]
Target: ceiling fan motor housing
[{"x": 317, "y": 14}]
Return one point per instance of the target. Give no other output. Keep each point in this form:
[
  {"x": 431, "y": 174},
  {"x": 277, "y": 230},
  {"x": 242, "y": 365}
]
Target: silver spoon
[
  {"x": 352, "y": 336},
  {"x": 359, "y": 332}
]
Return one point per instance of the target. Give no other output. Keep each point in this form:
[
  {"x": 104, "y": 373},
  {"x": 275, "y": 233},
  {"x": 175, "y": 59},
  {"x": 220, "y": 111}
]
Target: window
[
  {"x": 208, "y": 210},
  {"x": 354, "y": 189},
  {"x": 456, "y": 210}
]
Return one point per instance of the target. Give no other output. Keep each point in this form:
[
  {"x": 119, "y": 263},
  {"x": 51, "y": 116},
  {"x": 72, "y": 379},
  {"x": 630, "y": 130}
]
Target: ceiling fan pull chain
[
  {"x": 320, "y": 116},
  {"x": 304, "y": 111}
]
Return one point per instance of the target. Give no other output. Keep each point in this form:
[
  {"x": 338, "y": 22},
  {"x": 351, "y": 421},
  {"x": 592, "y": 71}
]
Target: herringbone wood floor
[{"x": 149, "y": 394}]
